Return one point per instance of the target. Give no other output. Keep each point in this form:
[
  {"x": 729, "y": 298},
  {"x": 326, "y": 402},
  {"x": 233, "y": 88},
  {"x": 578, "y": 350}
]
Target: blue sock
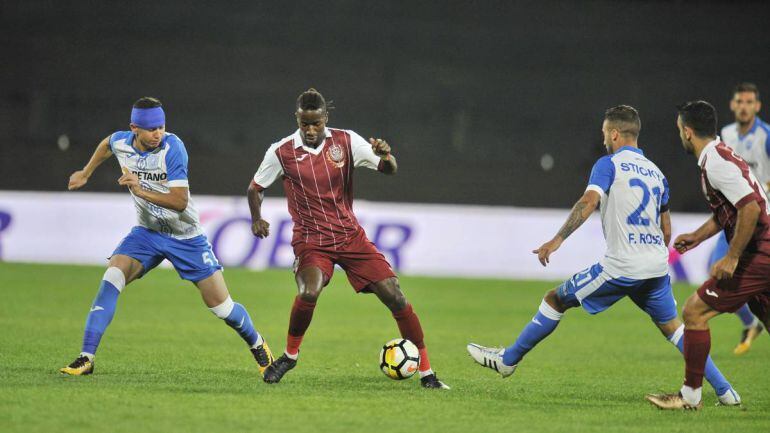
[
  {"x": 541, "y": 326},
  {"x": 746, "y": 316},
  {"x": 712, "y": 373},
  {"x": 103, "y": 309},
  {"x": 237, "y": 318}
]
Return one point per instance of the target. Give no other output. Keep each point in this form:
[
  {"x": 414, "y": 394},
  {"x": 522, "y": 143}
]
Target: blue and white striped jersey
[{"x": 158, "y": 170}]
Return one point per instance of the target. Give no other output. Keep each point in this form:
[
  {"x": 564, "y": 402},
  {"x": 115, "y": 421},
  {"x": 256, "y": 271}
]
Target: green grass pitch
[{"x": 167, "y": 364}]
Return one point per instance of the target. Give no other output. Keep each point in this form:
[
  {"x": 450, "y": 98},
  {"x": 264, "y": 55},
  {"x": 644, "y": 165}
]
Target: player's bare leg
[
  {"x": 121, "y": 270},
  {"x": 697, "y": 343},
  {"x": 216, "y": 296},
  {"x": 389, "y": 292},
  {"x": 310, "y": 284}
]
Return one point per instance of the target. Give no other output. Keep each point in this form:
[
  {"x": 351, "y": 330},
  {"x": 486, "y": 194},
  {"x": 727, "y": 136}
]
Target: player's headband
[{"x": 148, "y": 118}]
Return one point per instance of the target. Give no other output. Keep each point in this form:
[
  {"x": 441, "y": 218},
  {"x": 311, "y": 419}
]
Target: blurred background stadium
[
  {"x": 493, "y": 109},
  {"x": 485, "y": 102}
]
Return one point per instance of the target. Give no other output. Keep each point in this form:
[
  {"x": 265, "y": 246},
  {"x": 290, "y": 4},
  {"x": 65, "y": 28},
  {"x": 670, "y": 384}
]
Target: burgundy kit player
[{"x": 316, "y": 164}]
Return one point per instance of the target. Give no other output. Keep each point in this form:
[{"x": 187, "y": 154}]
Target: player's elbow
[
  {"x": 591, "y": 200},
  {"x": 254, "y": 188},
  {"x": 179, "y": 199},
  {"x": 254, "y": 191},
  {"x": 181, "y": 204}
]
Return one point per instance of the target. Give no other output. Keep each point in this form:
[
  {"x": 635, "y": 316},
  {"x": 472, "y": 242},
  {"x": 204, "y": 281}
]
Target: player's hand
[
  {"x": 724, "y": 268},
  {"x": 78, "y": 179},
  {"x": 685, "y": 242},
  {"x": 130, "y": 180},
  {"x": 545, "y": 250},
  {"x": 260, "y": 228},
  {"x": 381, "y": 148}
]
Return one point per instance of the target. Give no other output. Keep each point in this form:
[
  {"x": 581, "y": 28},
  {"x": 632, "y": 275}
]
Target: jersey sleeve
[
  {"x": 118, "y": 135},
  {"x": 269, "y": 170},
  {"x": 176, "y": 163},
  {"x": 665, "y": 197},
  {"x": 602, "y": 176},
  {"x": 111, "y": 140},
  {"x": 363, "y": 155},
  {"x": 726, "y": 177}
]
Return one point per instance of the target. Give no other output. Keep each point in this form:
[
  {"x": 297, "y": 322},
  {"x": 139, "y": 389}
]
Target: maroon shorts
[
  {"x": 360, "y": 259},
  {"x": 750, "y": 283}
]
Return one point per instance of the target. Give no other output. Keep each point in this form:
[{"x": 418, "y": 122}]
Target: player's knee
[
  {"x": 690, "y": 318},
  {"x": 310, "y": 294},
  {"x": 116, "y": 277},
  {"x": 131, "y": 268},
  {"x": 397, "y": 300},
  {"x": 552, "y": 298},
  {"x": 401, "y": 301},
  {"x": 670, "y": 328},
  {"x": 310, "y": 283},
  {"x": 692, "y": 313},
  {"x": 389, "y": 292}
]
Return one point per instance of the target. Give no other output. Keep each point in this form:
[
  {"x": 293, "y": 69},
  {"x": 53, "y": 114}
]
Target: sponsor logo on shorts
[{"x": 712, "y": 293}]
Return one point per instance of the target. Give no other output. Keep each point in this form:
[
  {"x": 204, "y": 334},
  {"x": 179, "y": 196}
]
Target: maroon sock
[
  {"x": 410, "y": 328},
  {"x": 301, "y": 315},
  {"x": 697, "y": 344}
]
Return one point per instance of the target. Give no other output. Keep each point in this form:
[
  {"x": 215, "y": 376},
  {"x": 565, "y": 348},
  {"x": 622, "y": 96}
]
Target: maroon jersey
[
  {"x": 318, "y": 183},
  {"x": 729, "y": 185}
]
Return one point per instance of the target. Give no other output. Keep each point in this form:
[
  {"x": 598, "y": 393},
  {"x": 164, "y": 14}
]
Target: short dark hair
[
  {"x": 746, "y": 87},
  {"x": 311, "y": 99},
  {"x": 625, "y": 118},
  {"x": 147, "y": 102},
  {"x": 700, "y": 116}
]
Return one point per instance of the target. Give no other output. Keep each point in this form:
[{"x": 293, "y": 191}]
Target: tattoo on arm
[{"x": 575, "y": 220}]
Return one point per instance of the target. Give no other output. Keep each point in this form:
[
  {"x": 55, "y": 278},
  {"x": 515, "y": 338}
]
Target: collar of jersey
[
  {"x": 299, "y": 143},
  {"x": 140, "y": 153},
  {"x": 707, "y": 148},
  {"x": 631, "y": 148},
  {"x": 757, "y": 122}
]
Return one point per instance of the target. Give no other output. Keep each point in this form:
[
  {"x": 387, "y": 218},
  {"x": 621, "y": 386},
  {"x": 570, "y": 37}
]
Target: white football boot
[
  {"x": 730, "y": 398},
  {"x": 490, "y": 357}
]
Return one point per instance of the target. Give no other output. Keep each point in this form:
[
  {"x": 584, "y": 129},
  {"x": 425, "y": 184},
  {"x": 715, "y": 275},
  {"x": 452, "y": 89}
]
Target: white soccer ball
[{"x": 399, "y": 359}]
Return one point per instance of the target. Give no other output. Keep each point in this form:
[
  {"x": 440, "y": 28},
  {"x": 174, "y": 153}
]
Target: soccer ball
[{"x": 399, "y": 359}]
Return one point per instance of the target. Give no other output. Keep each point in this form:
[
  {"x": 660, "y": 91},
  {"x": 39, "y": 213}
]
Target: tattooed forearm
[{"x": 576, "y": 219}]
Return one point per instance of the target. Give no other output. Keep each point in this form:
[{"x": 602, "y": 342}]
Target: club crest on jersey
[
  {"x": 149, "y": 162},
  {"x": 336, "y": 155}
]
